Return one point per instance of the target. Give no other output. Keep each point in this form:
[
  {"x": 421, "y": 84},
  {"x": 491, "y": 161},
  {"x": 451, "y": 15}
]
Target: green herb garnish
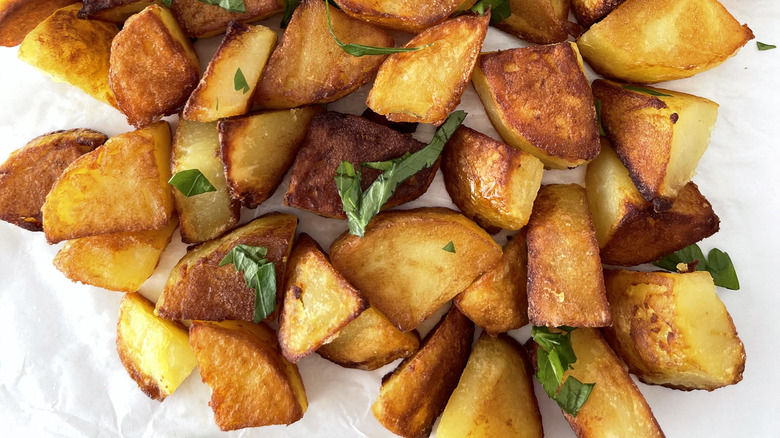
[
  {"x": 230, "y": 5},
  {"x": 598, "y": 118},
  {"x": 239, "y": 81},
  {"x": 191, "y": 182},
  {"x": 167, "y": 3},
  {"x": 717, "y": 263},
  {"x": 499, "y": 9},
  {"x": 289, "y": 8},
  {"x": 450, "y": 247},
  {"x": 259, "y": 274},
  {"x": 645, "y": 90},
  {"x": 763, "y": 46}
]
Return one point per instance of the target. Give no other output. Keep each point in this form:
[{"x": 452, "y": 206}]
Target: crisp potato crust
[
  {"x": 539, "y": 21},
  {"x": 591, "y": 11},
  {"x": 114, "y": 11},
  {"x": 202, "y": 20},
  {"x": 407, "y": 15},
  {"x": 19, "y": 17}
]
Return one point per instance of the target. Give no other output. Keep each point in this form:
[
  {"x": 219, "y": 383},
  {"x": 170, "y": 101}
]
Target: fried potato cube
[
  {"x": 73, "y": 51},
  {"x": 114, "y": 11},
  {"x": 629, "y": 231},
  {"x": 402, "y": 268},
  {"x": 369, "y": 342},
  {"x": 19, "y": 17},
  {"x": 198, "y": 288},
  {"x": 426, "y": 85},
  {"x": 659, "y": 139},
  {"x": 565, "y": 279},
  {"x": 29, "y": 173},
  {"x": 120, "y": 261},
  {"x": 318, "y": 301},
  {"x": 208, "y": 215},
  {"x": 153, "y": 68},
  {"x": 308, "y": 67},
  {"x": 334, "y": 137},
  {"x": 257, "y": 150},
  {"x": 648, "y": 41},
  {"x": 408, "y": 15},
  {"x": 591, "y": 11},
  {"x": 201, "y": 20},
  {"x": 120, "y": 186},
  {"x": 539, "y": 21},
  {"x": 497, "y": 301},
  {"x": 540, "y": 101},
  {"x": 246, "y": 49},
  {"x": 673, "y": 330},
  {"x": 491, "y": 182},
  {"x": 252, "y": 384},
  {"x": 413, "y": 395},
  {"x": 155, "y": 352},
  {"x": 495, "y": 395}
]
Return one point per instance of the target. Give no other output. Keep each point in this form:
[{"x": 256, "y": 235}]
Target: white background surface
[{"x": 60, "y": 374}]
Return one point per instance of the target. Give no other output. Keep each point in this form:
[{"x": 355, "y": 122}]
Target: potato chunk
[
  {"x": 155, "y": 352},
  {"x": 648, "y": 41},
  {"x": 539, "y": 21},
  {"x": 73, "y": 51},
  {"x": 258, "y": 150},
  {"x": 417, "y": 391},
  {"x": 565, "y": 280},
  {"x": 402, "y": 267},
  {"x": 201, "y": 20},
  {"x": 308, "y": 66},
  {"x": 591, "y": 11},
  {"x": 426, "y": 85},
  {"x": 408, "y": 15},
  {"x": 673, "y": 330},
  {"x": 114, "y": 11},
  {"x": 29, "y": 173},
  {"x": 19, "y": 17},
  {"x": 540, "y": 101},
  {"x": 120, "y": 186},
  {"x": 318, "y": 301},
  {"x": 154, "y": 67},
  {"x": 251, "y": 383}
]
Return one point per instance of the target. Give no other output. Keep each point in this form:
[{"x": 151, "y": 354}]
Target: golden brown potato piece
[
  {"x": 201, "y": 20},
  {"x": 370, "y": 341},
  {"x": 565, "y": 280},
  {"x": 114, "y": 11},
  {"x": 648, "y": 41},
  {"x": 19, "y": 17},
  {"x": 198, "y": 288},
  {"x": 155, "y": 352},
  {"x": 495, "y": 395},
  {"x": 258, "y": 150},
  {"x": 407, "y": 15},
  {"x": 539, "y": 21},
  {"x": 659, "y": 139},
  {"x": 29, "y": 173},
  {"x": 120, "y": 186},
  {"x": 251, "y": 383},
  {"x": 308, "y": 67},
  {"x": 154, "y": 67},
  {"x": 426, "y": 85},
  {"x": 334, "y": 137},
  {"x": 540, "y": 101},
  {"x": 591, "y": 11},
  {"x": 318, "y": 301},
  {"x": 491, "y": 182},
  {"x": 673, "y": 330},
  {"x": 73, "y": 51},
  {"x": 246, "y": 49},
  {"x": 415, "y": 393},
  {"x": 497, "y": 301},
  {"x": 628, "y": 230},
  {"x": 208, "y": 215},
  {"x": 120, "y": 261},
  {"x": 402, "y": 267}
]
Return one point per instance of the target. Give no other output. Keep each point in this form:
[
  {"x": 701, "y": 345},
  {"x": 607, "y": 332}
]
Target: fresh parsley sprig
[
  {"x": 645, "y": 90},
  {"x": 239, "y": 81},
  {"x": 191, "y": 182},
  {"x": 717, "y": 263},
  {"x": 450, "y": 247},
  {"x": 259, "y": 275},
  {"x": 499, "y": 9},
  {"x": 763, "y": 46}
]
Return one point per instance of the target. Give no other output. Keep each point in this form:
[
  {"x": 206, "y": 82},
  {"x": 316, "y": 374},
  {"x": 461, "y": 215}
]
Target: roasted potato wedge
[
  {"x": 495, "y": 394},
  {"x": 402, "y": 267},
  {"x": 565, "y": 280},
  {"x": 257, "y": 150},
  {"x": 648, "y": 41},
  {"x": 629, "y": 231},
  {"x": 198, "y": 288},
  {"x": 73, "y": 51},
  {"x": 153, "y": 67},
  {"x": 29, "y": 173},
  {"x": 370, "y": 341},
  {"x": 591, "y": 11},
  {"x": 408, "y": 15},
  {"x": 413, "y": 395},
  {"x": 426, "y": 85},
  {"x": 659, "y": 139},
  {"x": 673, "y": 330},
  {"x": 201, "y": 20},
  {"x": 539, "y": 21},
  {"x": 334, "y": 137},
  {"x": 318, "y": 301},
  {"x": 540, "y": 101},
  {"x": 208, "y": 215},
  {"x": 155, "y": 352},
  {"x": 251, "y": 383},
  {"x": 308, "y": 67},
  {"x": 491, "y": 182},
  {"x": 19, "y": 17},
  {"x": 120, "y": 186},
  {"x": 114, "y": 11}
]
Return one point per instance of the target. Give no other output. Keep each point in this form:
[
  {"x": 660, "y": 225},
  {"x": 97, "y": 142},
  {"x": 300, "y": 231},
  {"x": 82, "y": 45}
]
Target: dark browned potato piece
[
  {"x": 334, "y": 137},
  {"x": 19, "y": 17},
  {"x": 591, "y": 11},
  {"x": 201, "y": 20},
  {"x": 407, "y": 15},
  {"x": 114, "y": 11},
  {"x": 29, "y": 173},
  {"x": 539, "y": 21},
  {"x": 417, "y": 391}
]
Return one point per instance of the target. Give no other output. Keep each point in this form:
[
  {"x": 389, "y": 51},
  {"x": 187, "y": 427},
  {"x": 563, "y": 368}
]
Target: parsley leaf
[
  {"x": 259, "y": 274},
  {"x": 239, "y": 81},
  {"x": 289, "y": 8},
  {"x": 686, "y": 255},
  {"x": 645, "y": 90},
  {"x": 167, "y": 3},
  {"x": 763, "y": 46},
  {"x": 450, "y": 247},
  {"x": 717, "y": 263},
  {"x": 598, "y": 118},
  {"x": 230, "y": 5},
  {"x": 573, "y": 394},
  {"x": 499, "y": 9},
  {"x": 191, "y": 182}
]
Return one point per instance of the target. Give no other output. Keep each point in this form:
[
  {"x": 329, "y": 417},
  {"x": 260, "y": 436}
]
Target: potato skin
[
  {"x": 202, "y": 20},
  {"x": 539, "y": 21},
  {"x": 407, "y": 15},
  {"x": 114, "y": 11},
  {"x": 591, "y": 11},
  {"x": 19, "y": 17}
]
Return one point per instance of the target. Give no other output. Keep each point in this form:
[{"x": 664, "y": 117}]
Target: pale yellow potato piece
[
  {"x": 407, "y": 15},
  {"x": 19, "y": 17},
  {"x": 202, "y": 20},
  {"x": 114, "y": 11}
]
